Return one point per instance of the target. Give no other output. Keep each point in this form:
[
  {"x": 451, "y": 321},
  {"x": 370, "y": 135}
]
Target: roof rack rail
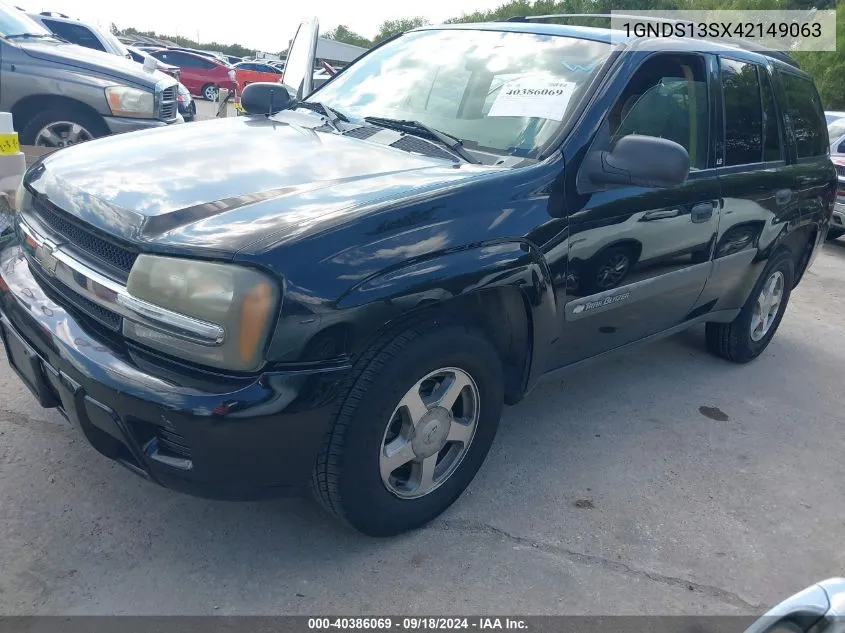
[
  {"x": 779, "y": 55},
  {"x": 623, "y": 16}
]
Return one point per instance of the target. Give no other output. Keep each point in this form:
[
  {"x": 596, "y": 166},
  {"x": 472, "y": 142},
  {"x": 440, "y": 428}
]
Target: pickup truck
[{"x": 61, "y": 94}]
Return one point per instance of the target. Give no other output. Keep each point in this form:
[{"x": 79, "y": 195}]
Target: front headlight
[
  {"x": 213, "y": 314},
  {"x": 130, "y": 102}
]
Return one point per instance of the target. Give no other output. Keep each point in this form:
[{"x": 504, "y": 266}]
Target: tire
[
  {"x": 734, "y": 341},
  {"x": 832, "y": 234},
  {"x": 209, "y": 92},
  {"x": 93, "y": 126},
  {"x": 347, "y": 478}
]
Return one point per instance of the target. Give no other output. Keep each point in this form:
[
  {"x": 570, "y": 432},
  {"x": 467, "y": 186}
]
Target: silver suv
[{"x": 61, "y": 94}]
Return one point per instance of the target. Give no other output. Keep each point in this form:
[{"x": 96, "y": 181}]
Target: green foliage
[
  {"x": 342, "y": 34},
  {"x": 389, "y": 28}
]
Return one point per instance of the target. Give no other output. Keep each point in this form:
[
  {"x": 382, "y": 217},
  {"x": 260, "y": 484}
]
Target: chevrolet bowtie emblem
[{"x": 43, "y": 254}]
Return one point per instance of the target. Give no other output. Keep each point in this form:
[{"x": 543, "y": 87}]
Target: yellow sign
[{"x": 9, "y": 143}]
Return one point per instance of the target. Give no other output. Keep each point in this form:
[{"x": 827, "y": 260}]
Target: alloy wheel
[
  {"x": 767, "y": 306},
  {"x": 62, "y": 134},
  {"x": 429, "y": 433}
]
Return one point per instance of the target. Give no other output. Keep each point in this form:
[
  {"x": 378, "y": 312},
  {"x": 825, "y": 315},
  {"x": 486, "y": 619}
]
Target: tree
[
  {"x": 341, "y": 33},
  {"x": 114, "y": 30},
  {"x": 389, "y": 28}
]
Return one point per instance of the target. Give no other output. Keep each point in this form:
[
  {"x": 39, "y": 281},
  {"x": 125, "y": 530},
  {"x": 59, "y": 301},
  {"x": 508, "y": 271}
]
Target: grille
[
  {"x": 83, "y": 240},
  {"x": 362, "y": 132},
  {"x": 840, "y": 170},
  {"x": 167, "y": 109},
  {"x": 171, "y": 442},
  {"x": 413, "y": 144},
  {"x": 64, "y": 296}
]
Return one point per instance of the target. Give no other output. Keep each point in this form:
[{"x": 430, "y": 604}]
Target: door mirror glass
[
  {"x": 265, "y": 97},
  {"x": 299, "y": 69},
  {"x": 639, "y": 161}
]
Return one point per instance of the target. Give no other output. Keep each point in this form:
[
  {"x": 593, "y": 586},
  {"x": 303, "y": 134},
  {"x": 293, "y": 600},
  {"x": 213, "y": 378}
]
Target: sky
[{"x": 265, "y": 25}]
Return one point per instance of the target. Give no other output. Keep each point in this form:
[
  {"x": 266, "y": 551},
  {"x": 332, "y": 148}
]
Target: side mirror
[
  {"x": 265, "y": 97},
  {"x": 819, "y": 607},
  {"x": 642, "y": 161}
]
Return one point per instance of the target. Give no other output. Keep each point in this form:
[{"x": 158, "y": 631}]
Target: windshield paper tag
[{"x": 541, "y": 97}]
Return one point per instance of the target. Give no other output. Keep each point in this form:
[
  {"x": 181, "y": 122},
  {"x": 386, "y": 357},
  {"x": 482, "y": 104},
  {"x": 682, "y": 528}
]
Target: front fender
[{"x": 433, "y": 281}]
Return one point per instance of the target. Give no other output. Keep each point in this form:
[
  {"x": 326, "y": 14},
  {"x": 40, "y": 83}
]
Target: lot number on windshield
[{"x": 533, "y": 97}]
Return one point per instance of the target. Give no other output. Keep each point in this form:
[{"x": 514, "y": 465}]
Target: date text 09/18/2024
[{"x": 417, "y": 623}]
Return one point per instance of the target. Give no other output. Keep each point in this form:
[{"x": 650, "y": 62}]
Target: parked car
[
  {"x": 348, "y": 300},
  {"x": 203, "y": 76},
  {"x": 80, "y": 33},
  {"x": 835, "y": 132},
  {"x": 837, "y": 222},
  {"x": 62, "y": 94},
  {"x": 830, "y": 116},
  {"x": 250, "y": 72},
  {"x": 187, "y": 106}
]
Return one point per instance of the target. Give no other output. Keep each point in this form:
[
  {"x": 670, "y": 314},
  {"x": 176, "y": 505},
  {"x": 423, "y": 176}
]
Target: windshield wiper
[
  {"x": 33, "y": 36},
  {"x": 332, "y": 115},
  {"x": 453, "y": 143}
]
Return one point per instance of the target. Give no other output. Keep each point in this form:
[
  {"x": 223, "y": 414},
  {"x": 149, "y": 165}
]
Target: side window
[
  {"x": 772, "y": 145},
  {"x": 183, "y": 61},
  {"x": 743, "y": 113},
  {"x": 804, "y": 109},
  {"x": 666, "y": 98},
  {"x": 75, "y": 33},
  {"x": 207, "y": 64}
]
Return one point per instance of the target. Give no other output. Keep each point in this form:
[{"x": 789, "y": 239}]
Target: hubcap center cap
[{"x": 431, "y": 432}]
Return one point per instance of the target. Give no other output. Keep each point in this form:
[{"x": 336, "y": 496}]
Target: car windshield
[
  {"x": 15, "y": 22},
  {"x": 836, "y": 129},
  {"x": 499, "y": 91},
  {"x": 115, "y": 43}
]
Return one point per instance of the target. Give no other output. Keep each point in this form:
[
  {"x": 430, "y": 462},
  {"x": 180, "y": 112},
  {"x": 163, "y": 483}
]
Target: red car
[
  {"x": 250, "y": 72},
  {"x": 201, "y": 75}
]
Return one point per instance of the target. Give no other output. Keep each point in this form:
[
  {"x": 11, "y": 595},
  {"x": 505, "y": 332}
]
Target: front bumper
[
  {"x": 231, "y": 438},
  {"x": 118, "y": 125}
]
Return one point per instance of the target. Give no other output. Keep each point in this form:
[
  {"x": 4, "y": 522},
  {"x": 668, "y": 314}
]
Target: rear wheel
[
  {"x": 744, "y": 338},
  {"x": 210, "y": 92},
  {"x": 412, "y": 431}
]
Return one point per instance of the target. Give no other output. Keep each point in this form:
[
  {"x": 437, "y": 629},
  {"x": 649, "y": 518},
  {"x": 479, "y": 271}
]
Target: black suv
[{"x": 345, "y": 292}]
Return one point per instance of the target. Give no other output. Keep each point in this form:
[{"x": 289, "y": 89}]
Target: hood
[
  {"x": 86, "y": 59},
  {"x": 229, "y": 183}
]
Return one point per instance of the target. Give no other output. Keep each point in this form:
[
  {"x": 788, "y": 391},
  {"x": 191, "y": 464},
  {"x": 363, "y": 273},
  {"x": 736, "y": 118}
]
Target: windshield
[
  {"x": 115, "y": 43},
  {"x": 836, "y": 129},
  {"x": 499, "y": 91},
  {"x": 15, "y": 22}
]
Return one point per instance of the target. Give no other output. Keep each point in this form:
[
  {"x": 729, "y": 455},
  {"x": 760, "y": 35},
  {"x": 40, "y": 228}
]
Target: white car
[{"x": 80, "y": 33}]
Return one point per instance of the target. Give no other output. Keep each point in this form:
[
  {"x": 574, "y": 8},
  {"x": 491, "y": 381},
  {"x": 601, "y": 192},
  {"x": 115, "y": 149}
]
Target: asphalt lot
[{"x": 664, "y": 481}]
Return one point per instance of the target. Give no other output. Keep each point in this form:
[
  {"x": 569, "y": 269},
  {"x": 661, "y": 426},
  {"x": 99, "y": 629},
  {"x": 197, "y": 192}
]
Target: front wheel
[
  {"x": 63, "y": 127},
  {"x": 744, "y": 338},
  {"x": 412, "y": 431}
]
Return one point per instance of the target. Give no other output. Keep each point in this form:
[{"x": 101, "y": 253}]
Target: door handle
[
  {"x": 661, "y": 214},
  {"x": 783, "y": 196},
  {"x": 701, "y": 212}
]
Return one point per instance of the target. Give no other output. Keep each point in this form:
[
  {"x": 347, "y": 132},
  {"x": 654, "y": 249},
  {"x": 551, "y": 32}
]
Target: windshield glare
[
  {"x": 501, "y": 91},
  {"x": 15, "y": 22}
]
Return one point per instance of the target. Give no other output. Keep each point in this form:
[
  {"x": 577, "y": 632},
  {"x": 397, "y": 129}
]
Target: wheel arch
[
  {"x": 503, "y": 289},
  {"x": 26, "y": 108}
]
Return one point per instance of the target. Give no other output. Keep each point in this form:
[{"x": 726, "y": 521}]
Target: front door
[{"x": 640, "y": 256}]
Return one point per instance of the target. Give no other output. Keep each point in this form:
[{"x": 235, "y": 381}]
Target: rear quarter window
[{"x": 806, "y": 115}]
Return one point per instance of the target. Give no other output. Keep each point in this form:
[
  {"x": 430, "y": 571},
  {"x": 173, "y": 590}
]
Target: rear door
[{"x": 759, "y": 195}]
